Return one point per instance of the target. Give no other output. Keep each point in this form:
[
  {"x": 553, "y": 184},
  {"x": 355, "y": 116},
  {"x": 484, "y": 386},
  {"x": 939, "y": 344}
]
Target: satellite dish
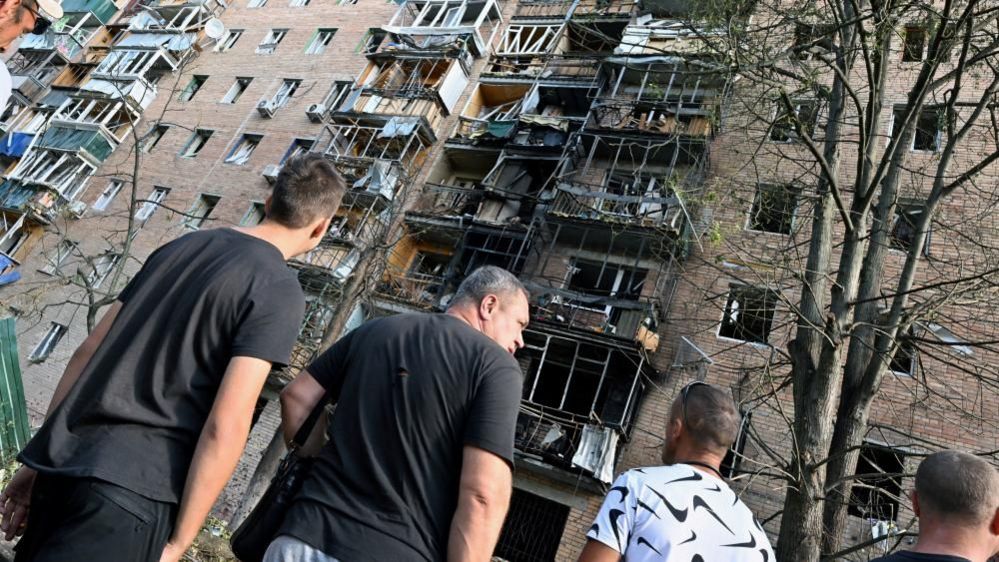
[{"x": 214, "y": 28}]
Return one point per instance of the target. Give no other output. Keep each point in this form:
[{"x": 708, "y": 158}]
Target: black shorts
[{"x": 89, "y": 519}]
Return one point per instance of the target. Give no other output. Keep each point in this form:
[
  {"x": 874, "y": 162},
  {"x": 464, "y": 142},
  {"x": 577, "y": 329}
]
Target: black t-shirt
[
  {"x": 906, "y": 556},
  {"x": 411, "y": 391},
  {"x": 135, "y": 415}
]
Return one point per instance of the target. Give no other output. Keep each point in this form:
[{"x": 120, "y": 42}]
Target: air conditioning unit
[
  {"x": 271, "y": 172},
  {"x": 76, "y": 209},
  {"x": 316, "y": 112},
  {"x": 266, "y": 108}
]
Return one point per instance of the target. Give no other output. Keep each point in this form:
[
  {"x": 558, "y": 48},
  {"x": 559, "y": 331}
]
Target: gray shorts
[{"x": 289, "y": 549}]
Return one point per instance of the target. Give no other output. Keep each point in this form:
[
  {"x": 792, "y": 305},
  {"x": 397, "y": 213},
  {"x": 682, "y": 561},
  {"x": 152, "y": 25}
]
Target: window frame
[
  {"x": 189, "y": 150},
  {"x": 736, "y": 285},
  {"x": 44, "y": 348},
  {"x": 234, "y": 92},
  {"x": 114, "y": 187},
  {"x": 316, "y": 39},
  {"x": 192, "y": 88},
  {"x": 269, "y": 44},
  {"x": 206, "y": 201},
  {"x": 792, "y": 191},
  {"x": 151, "y": 203},
  {"x": 243, "y": 139},
  {"x": 250, "y": 212}
]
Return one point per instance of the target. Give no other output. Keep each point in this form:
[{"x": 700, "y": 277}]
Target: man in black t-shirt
[
  {"x": 957, "y": 502},
  {"x": 153, "y": 410},
  {"x": 418, "y": 466}
]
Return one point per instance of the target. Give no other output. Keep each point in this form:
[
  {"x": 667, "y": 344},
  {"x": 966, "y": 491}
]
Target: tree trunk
[{"x": 261, "y": 478}]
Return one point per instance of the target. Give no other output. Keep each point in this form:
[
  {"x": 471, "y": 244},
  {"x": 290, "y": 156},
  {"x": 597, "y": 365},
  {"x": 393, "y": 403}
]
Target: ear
[
  {"x": 319, "y": 229},
  {"x": 994, "y": 524},
  {"x": 915, "y": 502},
  {"x": 488, "y": 306},
  {"x": 267, "y": 202}
]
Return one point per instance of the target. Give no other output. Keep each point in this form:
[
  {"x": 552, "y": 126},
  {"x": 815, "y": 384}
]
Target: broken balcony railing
[
  {"x": 435, "y": 18},
  {"x": 650, "y": 208},
  {"x": 545, "y": 9},
  {"x": 449, "y": 200},
  {"x": 397, "y": 140}
]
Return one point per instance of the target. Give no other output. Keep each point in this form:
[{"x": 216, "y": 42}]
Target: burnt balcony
[
  {"x": 525, "y": 115},
  {"x": 620, "y": 202},
  {"x": 578, "y": 69},
  {"x": 418, "y": 271},
  {"x": 683, "y": 91},
  {"x": 402, "y": 142},
  {"x": 667, "y": 37},
  {"x": 581, "y": 394},
  {"x": 427, "y": 21},
  {"x": 557, "y": 9}
]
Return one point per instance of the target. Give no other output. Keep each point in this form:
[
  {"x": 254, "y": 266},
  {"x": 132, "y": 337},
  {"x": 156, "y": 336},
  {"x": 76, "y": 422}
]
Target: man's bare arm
[
  {"x": 220, "y": 445},
  {"x": 298, "y": 399},
  {"x": 596, "y": 551},
  {"x": 483, "y": 498}
]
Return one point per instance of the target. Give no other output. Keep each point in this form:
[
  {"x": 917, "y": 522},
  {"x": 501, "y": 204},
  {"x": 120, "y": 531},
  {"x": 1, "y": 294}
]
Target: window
[
  {"x": 320, "y": 41},
  {"x": 228, "y": 41},
  {"x": 749, "y": 314},
  {"x": 338, "y": 93},
  {"x": 533, "y": 529},
  {"x": 915, "y": 43},
  {"x": 48, "y": 343},
  {"x": 605, "y": 279},
  {"x": 108, "y": 195},
  {"x": 192, "y": 88},
  {"x": 903, "y": 230},
  {"x": 254, "y": 215},
  {"x": 57, "y": 258},
  {"x": 286, "y": 92},
  {"x": 101, "y": 267},
  {"x": 241, "y": 153},
  {"x": 298, "y": 146},
  {"x": 904, "y": 361},
  {"x": 773, "y": 208},
  {"x": 806, "y": 113},
  {"x": 942, "y": 51},
  {"x": 256, "y": 3},
  {"x": 812, "y": 40},
  {"x": 878, "y": 485},
  {"x": 236, "y": 90},
  {"x": 154, "y": 137},
  {"x": 298, "y": 3},
  {"x": 429, "y": 264},
  {"x": 731, "y": 465},
  {"x": 200, "y": 210},
  {"x": 347, "y": 2},
  {"x": 271, "y": 41},
  {"x": 196, "y": 143},
  {"x": 370, "y": 42},
  {"x": 928, "y": 128},
  {"x": 150, "y": 205}
]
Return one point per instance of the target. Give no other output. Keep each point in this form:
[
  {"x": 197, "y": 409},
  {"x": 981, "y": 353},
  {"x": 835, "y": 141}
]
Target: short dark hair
[
  {"x": 487, "y": 280},
  {"x": 959, "y": 486},
  {"x": 712, "y": 420},
  {"x": 307, "y": 188}
]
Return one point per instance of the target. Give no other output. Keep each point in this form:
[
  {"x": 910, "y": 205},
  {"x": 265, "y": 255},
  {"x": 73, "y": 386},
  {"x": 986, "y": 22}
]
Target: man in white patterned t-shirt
[{"x": 683, "y": 511}]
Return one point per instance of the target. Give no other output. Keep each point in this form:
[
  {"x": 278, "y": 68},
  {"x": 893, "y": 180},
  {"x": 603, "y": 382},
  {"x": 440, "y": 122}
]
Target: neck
[
  {"x": 465, "y": 315},
  {"x": 278, "y": 236},
  {"x": 951, "y": 540},
  {"x": 702, "y": 458}
]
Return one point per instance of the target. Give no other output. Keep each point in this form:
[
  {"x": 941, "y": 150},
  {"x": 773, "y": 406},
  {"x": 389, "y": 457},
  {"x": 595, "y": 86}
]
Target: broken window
[
  {"x": 154, "y": 137},
  {"x": 298, "y": 3},
  {"x": 285, "y": 92},
  {"x": 749, "y": 314},
  {"x": 243, "y": 149},
  {"x": 904, "y": 228},
  {"x": 100, "y": 267},
  {"x": 200, "y": 210},
  {"x": 528, "y": 39},
  {"x": 731, "y": 465},
  {"x": 338, "y": 94},
  {"x": 150, "y": 205},
  {"x": 57, "y": 258},
  {"x": 604, "y": 280},
  {"x": 812, "y": 40},
  {"x": 773, "y": 208},
  {"x": 928, "y": 128},
  {"x": 320, "y": 41},
  {"x": 915, "y": 43},
  {"x": 298, "y": 147},
  {"x": 187, "y": 94},
  {"x": 270, "y": 42},
  {"x": 107, "y": 196},
  {"x": 785, "y": 125},
  {"x": 904, "y": 360},
  {"x": 371, "y": 41},
  {"x": 237, "y": 89},
  {"x": 254, "y": 215},
  {"x": 256, "y": 3},
  {"x": 229, "y": 40},
  {"x": 493, "y": 248},
  {"x": 45, "y": 347},
  {"x": 878, "y": 483},
  {"x": 532, "y": 530},
  {"x": 197, "y": 141},
  {"x": 429, "y": 264}
]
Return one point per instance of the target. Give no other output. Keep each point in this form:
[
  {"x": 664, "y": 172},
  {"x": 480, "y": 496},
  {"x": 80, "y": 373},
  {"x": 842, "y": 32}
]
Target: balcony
[
  {"x": 623, "y": 203},
  {"x": 558, "y": 9},
  {"x": 580, "y": 398},
  {"x": 666, "y": 37},
  {"x": 401, "y": 141},
  {"x": 112, "y": 117},
  {"x": 418, "y": 269},
  {"x": 578, "y": 69},
  {"x": 417, "y": 88},
  {"x": 684, "y": 88},
  {"x": 428, "y": 21},
  {"x": 28, "y": 86}
]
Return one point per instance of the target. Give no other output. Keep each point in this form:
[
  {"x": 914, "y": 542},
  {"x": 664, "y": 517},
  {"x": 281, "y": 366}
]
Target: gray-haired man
[
  {"x": 419, "y": 462},
  {"x": 957, "y": 502}
]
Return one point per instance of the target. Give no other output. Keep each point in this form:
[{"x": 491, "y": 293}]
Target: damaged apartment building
[{"x": 556, "y": 139}]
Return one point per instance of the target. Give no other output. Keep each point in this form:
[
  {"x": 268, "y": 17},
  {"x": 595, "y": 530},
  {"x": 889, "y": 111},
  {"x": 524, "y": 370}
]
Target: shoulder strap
[{"x": 302, "y": 435}]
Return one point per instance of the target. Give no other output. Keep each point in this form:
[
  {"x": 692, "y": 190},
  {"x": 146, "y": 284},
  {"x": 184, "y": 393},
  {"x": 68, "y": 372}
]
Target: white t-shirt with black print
[{"x": 677, "y": 513}]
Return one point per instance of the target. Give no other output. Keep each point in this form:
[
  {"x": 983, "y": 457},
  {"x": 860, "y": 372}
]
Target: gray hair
[
  {"x": 487, "y": 280},
  {"x": 958, "y": 486}
]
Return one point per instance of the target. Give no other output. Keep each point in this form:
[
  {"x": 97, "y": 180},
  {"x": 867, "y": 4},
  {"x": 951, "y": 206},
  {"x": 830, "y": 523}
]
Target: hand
[
  {"x": 172, "y": 552},
  {"x": 14, "y": 502}
]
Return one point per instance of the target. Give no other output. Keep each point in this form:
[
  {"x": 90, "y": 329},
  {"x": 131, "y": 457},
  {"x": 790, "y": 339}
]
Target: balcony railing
[
  {"x": 431, "y": 19},
  {"x": 588, "y": 202},
  {"x": 557, "y": 9},
  {"x": 423, "y": 291},
  {"x": 449, "y": 201},
  {"x": 397, "y": 141},
  {"x": 563, "y": 68}
]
